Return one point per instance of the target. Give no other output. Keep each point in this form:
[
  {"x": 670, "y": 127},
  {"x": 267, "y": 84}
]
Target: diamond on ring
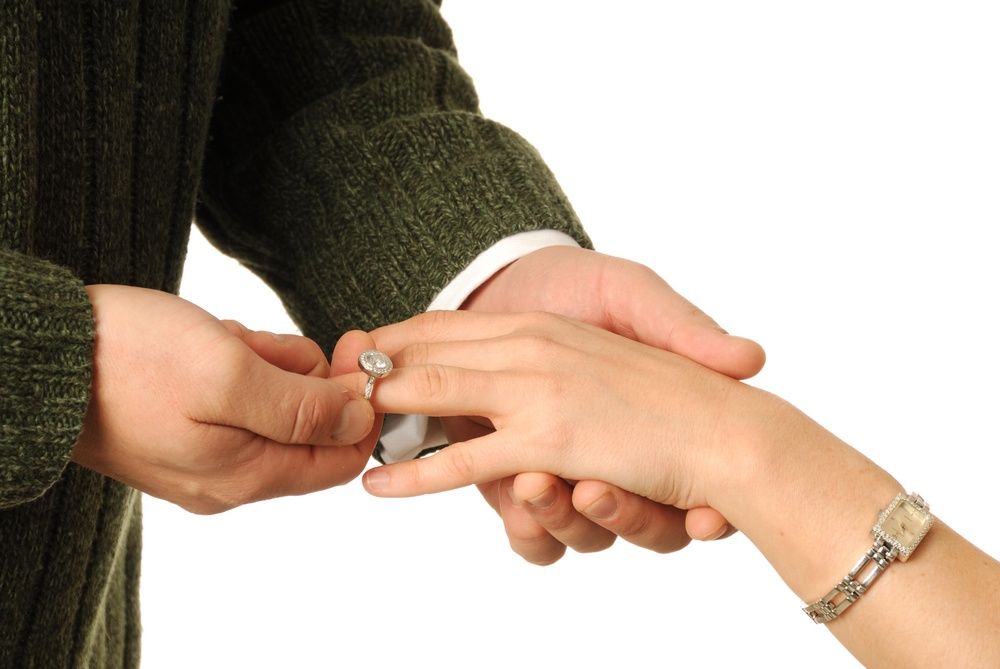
[{"x": 376, "y": 365}]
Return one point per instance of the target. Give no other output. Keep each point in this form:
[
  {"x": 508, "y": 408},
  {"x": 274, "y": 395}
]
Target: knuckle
[
  {"x": 533, "y": 319},
  {"x": 434, "y": 323},
  {"x": 414, "y": 354},
  {"x": 557, "y": 518},
  {"x": 228, "y": 371},
  {"x": 460, "y": 464},
  {"x": 538, "y": 322},
  {"x": 312, "y": 350},
  {"x": 547, "y": 384},
  {"x": 548, "y": 397},
  {"x": 235, "y": 327},
  {"x": 561, "y": 432},
  {"x": 199, "y": 507},
  {"x": 642, "y": 528},
  {"x": 537, "y": 346},
  {"x": 534, "y": 543},
  {"x": 310, "y": 417},
  {"x": 203, "y": 499},
  {"x": 541, "y": 550},
  {"x": 432, "y": 382},
  {"x": 415, "y": 474},
  {"x": 639, "y": 270},
  {"x": 529, "y": 537},
  {"x": 235, "y": 354},
  {"x": 647, "y": 272},
  {"x": 633, "y": 525},
  {"x": 226, "y": 501},
  {"x": 549, "y": 389},
  {"x": 562, "y": 525}
]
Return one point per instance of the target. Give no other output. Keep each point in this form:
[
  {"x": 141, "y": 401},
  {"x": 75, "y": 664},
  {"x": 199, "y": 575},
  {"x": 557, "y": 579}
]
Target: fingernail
[
  {"x": 377, "y": 480},
  {"x": 603, "y": 508},
  {"x": 354, "y": 421},
  {"x": 544, "y": 500}
]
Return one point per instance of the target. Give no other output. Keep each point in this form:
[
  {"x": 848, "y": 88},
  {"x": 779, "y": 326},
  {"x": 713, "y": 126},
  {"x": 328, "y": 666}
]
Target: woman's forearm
[{"x": 808, "y": 501}]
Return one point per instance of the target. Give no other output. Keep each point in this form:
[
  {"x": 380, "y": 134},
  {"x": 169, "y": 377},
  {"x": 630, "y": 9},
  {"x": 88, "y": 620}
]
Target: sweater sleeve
[
  {"x": 46, "y": 344},
  {"x": 349, "y": 166}
]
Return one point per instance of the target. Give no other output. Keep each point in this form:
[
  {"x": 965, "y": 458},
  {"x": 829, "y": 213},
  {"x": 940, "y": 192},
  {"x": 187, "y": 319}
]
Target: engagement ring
[{"x": 376, "y": 365}]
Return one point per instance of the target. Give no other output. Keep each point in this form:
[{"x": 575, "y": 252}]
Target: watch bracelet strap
[
  {"x": 876, "y": 560},
  {"x": 850, "y": 589}
]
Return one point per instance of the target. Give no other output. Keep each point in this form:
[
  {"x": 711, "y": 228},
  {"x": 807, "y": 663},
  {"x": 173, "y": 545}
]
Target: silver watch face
[{"x": 903, "y": 524}]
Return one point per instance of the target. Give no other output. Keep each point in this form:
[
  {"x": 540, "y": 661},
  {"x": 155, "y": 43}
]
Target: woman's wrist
[
  {"x": 803, "y": 496},
  {"x": 750, "y": 444}
]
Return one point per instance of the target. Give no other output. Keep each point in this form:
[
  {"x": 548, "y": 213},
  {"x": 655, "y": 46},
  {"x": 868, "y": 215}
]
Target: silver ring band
[{"x": 376, "y": 365}]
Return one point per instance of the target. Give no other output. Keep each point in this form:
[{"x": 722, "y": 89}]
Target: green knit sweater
[{"x": 303, "y": 132}]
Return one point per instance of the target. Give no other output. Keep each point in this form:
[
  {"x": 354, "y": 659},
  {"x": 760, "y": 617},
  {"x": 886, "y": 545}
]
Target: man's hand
[
  {"x": 210, "y": 415},
  {"x": 543, "y": 514}
]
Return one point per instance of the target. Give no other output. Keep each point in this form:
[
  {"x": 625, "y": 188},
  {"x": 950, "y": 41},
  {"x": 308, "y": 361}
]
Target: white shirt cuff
[{"x": 405, "y": 437}]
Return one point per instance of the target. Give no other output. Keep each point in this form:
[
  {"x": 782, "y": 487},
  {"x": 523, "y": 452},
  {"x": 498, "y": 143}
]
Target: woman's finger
[
  {"x": 440, "y": 390},
  {"x": 489, "y": 355},
  {"x": 538, "y": 530},
  {"x": 550, "y": 351},
  {"x": 445, "y": 326},
  {"x": 461, "y": 464},
  {"x": 635, "y": 519}
]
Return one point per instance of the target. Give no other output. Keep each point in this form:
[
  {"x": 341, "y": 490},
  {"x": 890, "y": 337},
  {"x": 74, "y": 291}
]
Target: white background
[{"x": 823, "y": 177}]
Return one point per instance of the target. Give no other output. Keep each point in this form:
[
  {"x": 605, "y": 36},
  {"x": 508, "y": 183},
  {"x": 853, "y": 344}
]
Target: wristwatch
[
  {"x": 903, "y": 524},
  {"x": 900, "y": 528}
]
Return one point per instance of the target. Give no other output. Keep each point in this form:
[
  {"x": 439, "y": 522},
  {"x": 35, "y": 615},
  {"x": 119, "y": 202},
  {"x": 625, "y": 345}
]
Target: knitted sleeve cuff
[
  {"x": 404, "y": 207},
  {"x": 46, "y": 344}
]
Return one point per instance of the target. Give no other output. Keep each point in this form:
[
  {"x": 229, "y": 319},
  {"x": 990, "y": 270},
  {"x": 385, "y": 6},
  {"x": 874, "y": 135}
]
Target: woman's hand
[
  {"x": 564, "y": 398},
  {"x": 209, "y": 415},
  {"x": 631, "y": 300},
  {"x": 579, "y": 402}
]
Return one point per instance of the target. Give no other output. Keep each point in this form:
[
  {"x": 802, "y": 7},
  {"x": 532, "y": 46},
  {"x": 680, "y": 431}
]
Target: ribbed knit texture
[
  {"x": 354, "y": 173},
  {"x": 45, "y": 347},
  {"x": 339, "y": 153}
]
